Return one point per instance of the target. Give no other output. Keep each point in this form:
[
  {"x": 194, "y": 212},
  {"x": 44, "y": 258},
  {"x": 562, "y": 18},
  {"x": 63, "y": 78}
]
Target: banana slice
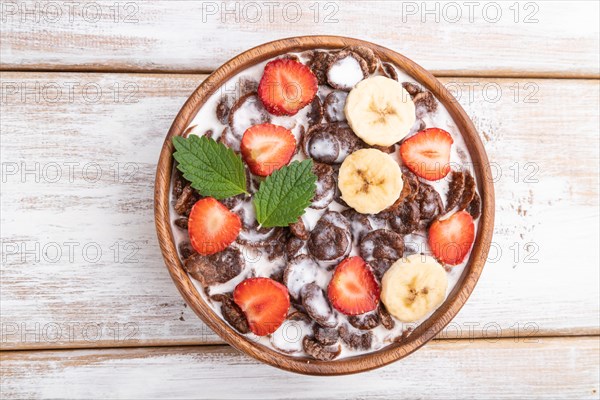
[
  {"x": 413, "y": 286},
  {"x": 380, "y": 111},
  {"x": 370, "y": 181}
]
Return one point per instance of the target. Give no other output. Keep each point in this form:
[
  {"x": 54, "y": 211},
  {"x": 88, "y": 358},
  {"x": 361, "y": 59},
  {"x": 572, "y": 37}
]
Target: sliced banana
[
  {"x": 370, "y": 181},
  {"x": 380, "y": 111},
  {"x": 413, "y": 287}
]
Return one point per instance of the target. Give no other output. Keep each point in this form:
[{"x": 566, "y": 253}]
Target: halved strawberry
[
  {"x": 451, "y": 239},
  {"x": 427, "y": 153},
  {"x": 353, "y": 289},
  {"x": 287, "y": 86},
  {"x": 212, "y": 227},
  {"x": 265, "y": 303},
  {"x": 267, "y": 147}
]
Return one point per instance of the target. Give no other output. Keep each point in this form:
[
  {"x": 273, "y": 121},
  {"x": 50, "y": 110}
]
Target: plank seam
[{"x": 159, "y": 346}]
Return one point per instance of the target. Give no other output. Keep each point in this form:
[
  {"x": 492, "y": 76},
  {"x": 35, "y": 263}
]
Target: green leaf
[
  {"x": 285, "y": 194},
  {"x": 212, "y": 168}
]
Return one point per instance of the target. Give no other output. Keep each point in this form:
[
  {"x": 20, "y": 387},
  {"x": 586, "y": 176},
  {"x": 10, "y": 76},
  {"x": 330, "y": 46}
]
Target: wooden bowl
[{"x": 424, "y": 332}]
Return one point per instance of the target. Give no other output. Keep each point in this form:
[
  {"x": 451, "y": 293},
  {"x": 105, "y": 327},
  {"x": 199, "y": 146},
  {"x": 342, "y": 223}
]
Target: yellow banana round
[
  {"x": 380, "y": 111},
  {"x": 413, "y": 287},
  {"x": 370, "y": 181}
]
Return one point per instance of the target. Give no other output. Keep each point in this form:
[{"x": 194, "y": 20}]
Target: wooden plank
[
  {"x": 549, "y": 368},
  {"x": 450, "y": 38},
  {"x": 541, "y": 277}
]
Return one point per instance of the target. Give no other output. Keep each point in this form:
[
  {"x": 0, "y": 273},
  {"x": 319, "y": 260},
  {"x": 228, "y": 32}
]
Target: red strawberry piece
[
  {"x": 287, "y": 86},
  {"x": 427, "y": 153},
  {"x": 267, "y": 147},
  {"x": 212, "y": 227},
  {"x": 265, "y": 303},
  {"x": 353, "y": 289},
  {"x": 451, "y": 239}
]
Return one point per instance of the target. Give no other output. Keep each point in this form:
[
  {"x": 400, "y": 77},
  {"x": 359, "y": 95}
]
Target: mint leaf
[
  {"x": 212, "y": 168},
  {"x": 283, "y": 196}
]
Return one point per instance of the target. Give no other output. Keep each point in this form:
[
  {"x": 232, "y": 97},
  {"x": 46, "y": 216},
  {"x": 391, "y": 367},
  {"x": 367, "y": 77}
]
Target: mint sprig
[
  {"x": 285, "y": 194},
  {"x": 212, "y": 168}
]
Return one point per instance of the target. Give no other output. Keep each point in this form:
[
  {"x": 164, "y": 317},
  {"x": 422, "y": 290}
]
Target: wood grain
[
  {"x": 557, "y": 294},
  {"x": 448, "y": 38},
  {"x": 549, "y": 368}
]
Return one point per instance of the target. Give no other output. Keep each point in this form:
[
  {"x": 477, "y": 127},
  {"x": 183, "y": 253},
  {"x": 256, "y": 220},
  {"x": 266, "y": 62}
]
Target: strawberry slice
[
  {"x": 427, "y": 153},
  {"x": 286, "y": 86},
  {"x": 265, "y": 303},
  {"x": 212, "y": 227},
  {"x": 353, "y": 289},
  {"x": 451, "y": 239},
  {"x": 267, "y": 147}
]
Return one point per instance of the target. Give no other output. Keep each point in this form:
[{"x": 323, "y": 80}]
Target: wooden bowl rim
[{"x": 393, "y": 352}]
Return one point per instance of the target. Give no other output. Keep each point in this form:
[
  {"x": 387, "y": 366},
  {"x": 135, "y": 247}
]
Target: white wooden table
[{"x": 88, "y": 92}]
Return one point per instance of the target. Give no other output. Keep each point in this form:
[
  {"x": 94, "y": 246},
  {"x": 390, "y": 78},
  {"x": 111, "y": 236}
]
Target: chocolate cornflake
[
  {"x": 338, "y": 197},
  {"x": 475, "y": 206},
  {"x": 411, "y": 185},
  {"x": 229, "y": 140},
  {"x": 233, "y": 314},
  {"x": 178, "y": 183},
  {"x": 412, "y": 88},
  {"x": 258, "y": 115},
  {"x": 326, "y": 336},
  {"x": 317, "y": 306},
  {"x": 277, "y": 275},
  {"x": 456, "y": 186},
  {"x": 224, "y": 108},
  {"x": 430, "y": 202},
  {"x": 319, "y": 351},
  {"x": 321, "y": 144},
  {"x": 388, "y": 70},
  {"x": 215, "y": 268},
  {"x": 325, "y": 187},
  {"x": 384, "y": 316},
  {"x": 315, "y": 112},
  {"x": 368, "y": 55},
  {"x": 406, "y": 218},
  {"x": 182, "y": 222},
  {"x": 300, "y": 317},
  {"x": 365, "y": 321},
  {"x": 330, "y": 143},
  {"x": 319, "y": 63},
  {"x": 186, "y": 250},
  {"x": 331, "y": 238},
  {"x": 299, "y": 271},
  {"x": 220, "y": 297},
  {"x": 247, "y": 85},
  {"x": 339, "y": 57},
  {"x": 425, "y": 102},
  {"x": 380, "y": 266},
  {"x": 381, "y": 244},
  {"x": 405, "y": 333},
  {"x": 359, "y": 223},
  {"x": 187, "y": 199},
  {"x": 233, "y": 201},
  {"x": 294, "y": 245},
  {"x": 276, "y": 247},
  {"x": 410, "y": 189},
  {"x": 299, "y": 230},
  {"x": 333, "y": 106},
  {"x": 355, "y": 340},
  {"x": 468, "y": 192}
]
